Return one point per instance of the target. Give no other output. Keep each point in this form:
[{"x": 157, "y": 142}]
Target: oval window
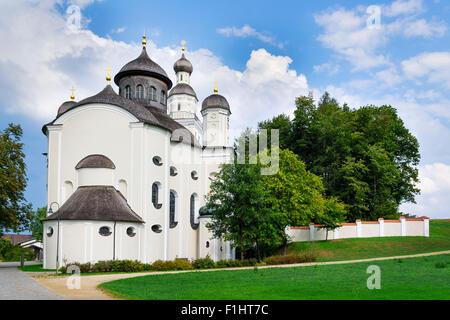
[
  {"x": 194, "y": 175},
  {"x": 207, "y": 244},
  {"x": 49, "y": 231},
  {"x": 157, "y": 161},
  {"x": 157, "y": 228},
  {"x": 104, "y": 231},
  {"x": 131, "y": 231}
]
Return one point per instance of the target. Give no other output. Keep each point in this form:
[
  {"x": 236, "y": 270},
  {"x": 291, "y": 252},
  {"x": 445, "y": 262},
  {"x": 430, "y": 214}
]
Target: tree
[
  {"x": 241, "y": 211},
  {"x": 366, "y": 157},
  {"x": 36, "y": 226},
  {"x": 14, "y": 211},
  {"x": 297, "y": 197},
  {"x": 281, "y": 123}
]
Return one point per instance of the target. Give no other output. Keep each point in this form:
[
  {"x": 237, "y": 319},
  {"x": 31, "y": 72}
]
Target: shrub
[
  {"x": 102, "y": 266},
  {"x": 84, "y": 267},
  {"x": 204, "y": 263},
  {"x": 147, "y": 266},
  {"x": 160, "y": 265},
  {"x": 291, "y": 258},
  {"x": 182, "y": 264}
]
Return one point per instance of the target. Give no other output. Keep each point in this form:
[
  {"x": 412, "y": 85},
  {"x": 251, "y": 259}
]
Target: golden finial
[
  {"x": 183, "y": 42},
  {"x": 72, "y": 97},
  {"x": 144, "y": 42},
  {"x": 215, "y": 87},
  {"x": 108, "y": 76}
]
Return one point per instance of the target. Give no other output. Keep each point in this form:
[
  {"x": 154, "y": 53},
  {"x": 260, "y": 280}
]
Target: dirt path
[{"x": 89, "y": 284}]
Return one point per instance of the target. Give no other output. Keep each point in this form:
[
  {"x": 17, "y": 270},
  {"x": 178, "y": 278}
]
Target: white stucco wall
[
  {"x": 131, "y": 146},
  {"x": 392, "y": 228}
]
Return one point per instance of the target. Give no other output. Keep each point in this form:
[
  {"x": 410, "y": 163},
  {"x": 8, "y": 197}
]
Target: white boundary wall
[{"x": 363, "y": 229}]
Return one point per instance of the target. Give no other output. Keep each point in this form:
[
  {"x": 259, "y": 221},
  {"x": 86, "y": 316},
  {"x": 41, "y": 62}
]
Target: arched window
[
  {"x": 193, "y": 209},
  {"x": 128, "y": 92},
  {"x": 162, "y": 99},
  {"x": 155, "y": 195},
  {"x": 181, "y": 77},
  {"x": 153, "y": 93},
  {"x": 139, "y": 91},
  {"x": 179, "y": 106},
  {"x": 172, "y": 222}
]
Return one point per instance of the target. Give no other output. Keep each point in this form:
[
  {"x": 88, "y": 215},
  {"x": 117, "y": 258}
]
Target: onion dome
[
  {"x": 143, "y": 66},
  {"x": 215, "y": 101},
  {"x": 183, "y": 65},
  {"x": 95, "y": 161},
  {"x": 182, "y": 88},
  {"x": 66, "y": 106}
]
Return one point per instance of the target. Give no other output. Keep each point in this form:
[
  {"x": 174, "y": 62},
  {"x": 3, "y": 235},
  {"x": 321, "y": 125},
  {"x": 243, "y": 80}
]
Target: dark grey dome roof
[
  {"x": 101, "y": 203},
  {"x": 183, "y": 64},
  {"x": 95, "y": 161},
  {"x": 183, "y": 88},
  {"x": 66, "y": 106},
  {"x": 146, "y": 114},
  {"x": 215, "y": 101},
  {"x": 144, "y": 66}
]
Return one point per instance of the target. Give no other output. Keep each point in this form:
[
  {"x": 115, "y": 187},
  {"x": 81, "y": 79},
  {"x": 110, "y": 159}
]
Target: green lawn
[
  {"x": 34, "y": 268},
  {"x": 412, "y": 278},
  {"x": 364, "y": 248}
]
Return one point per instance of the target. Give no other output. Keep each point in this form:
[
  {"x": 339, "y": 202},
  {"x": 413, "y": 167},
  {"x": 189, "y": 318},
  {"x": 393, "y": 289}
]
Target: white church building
[{"x": 128, "y": 172}]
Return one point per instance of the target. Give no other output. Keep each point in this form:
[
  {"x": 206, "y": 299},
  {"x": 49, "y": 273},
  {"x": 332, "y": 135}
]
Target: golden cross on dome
[
  {"x": 108, "y": 76},
  {"x": 72, "y": 97},
  {"x": 183, "y": 42},
  {"x": 144, "y": 42},
  {"x": 215, "y": 87}
]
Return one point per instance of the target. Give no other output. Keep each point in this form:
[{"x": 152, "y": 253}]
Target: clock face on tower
[{"x": 213, "y": 115}]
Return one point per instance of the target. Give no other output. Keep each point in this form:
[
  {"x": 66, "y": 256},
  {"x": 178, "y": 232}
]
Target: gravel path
[{"x": 17, "y": 285}]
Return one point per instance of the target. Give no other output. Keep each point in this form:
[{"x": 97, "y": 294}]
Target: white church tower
[
  {"x": 216, "y": 114},
  {"x": 182, "y": 99}
]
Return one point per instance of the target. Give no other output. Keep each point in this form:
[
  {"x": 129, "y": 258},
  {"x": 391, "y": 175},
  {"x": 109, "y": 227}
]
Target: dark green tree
[
  {"x": 240, "y": 206},
  {"x": 15, "y": 213},
  {"x": 36, "y": 226},
  {"x": 367, "y": 157}
]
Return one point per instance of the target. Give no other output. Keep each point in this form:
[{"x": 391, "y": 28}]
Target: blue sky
[{"x": 263, "y": 55}]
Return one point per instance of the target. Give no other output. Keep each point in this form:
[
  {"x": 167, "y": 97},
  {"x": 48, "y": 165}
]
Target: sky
[{"x": 262, "y": 55}]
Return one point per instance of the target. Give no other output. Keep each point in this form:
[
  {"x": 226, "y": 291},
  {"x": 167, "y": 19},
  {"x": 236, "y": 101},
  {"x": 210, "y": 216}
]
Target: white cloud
[
  {"x": 402, "y": 7},
  {"x": 327, "y": 67},
  {"x": 434, "y": 66},
  {"x": 43, "y": 60},
  {"x": 346, "y": 32},
  {"x": 247, "y": 31},
  {"x": 118, "y": 30},
  {"x": 435, "y": 189}
]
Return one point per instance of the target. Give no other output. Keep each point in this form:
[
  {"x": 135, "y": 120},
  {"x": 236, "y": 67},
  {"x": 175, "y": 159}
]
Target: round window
[
  {"x": 194, "y": 175},
  {"x": 131, "y": 231},
  {"x": 173, "y": 171},
  {"x": 49, "y": 231},
  {"x": 157, "y": 228},
  {"x": 157, "y": 161},
  {"x": 104, "y": 231}
]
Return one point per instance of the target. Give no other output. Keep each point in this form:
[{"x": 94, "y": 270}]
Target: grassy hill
[
  {"x": 412, "y": 278},
  {"x": 363, "y": 248}
]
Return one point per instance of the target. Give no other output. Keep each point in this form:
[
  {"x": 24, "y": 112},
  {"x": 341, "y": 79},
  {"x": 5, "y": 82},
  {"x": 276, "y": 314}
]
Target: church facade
[{"x": 128, "y": 172}]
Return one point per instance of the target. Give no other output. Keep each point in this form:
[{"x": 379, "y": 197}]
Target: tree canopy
[
  {"x": 14, "y": 210},
  {"x": 253, "y": 210},
  {"x": 367, "y": 157}
]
